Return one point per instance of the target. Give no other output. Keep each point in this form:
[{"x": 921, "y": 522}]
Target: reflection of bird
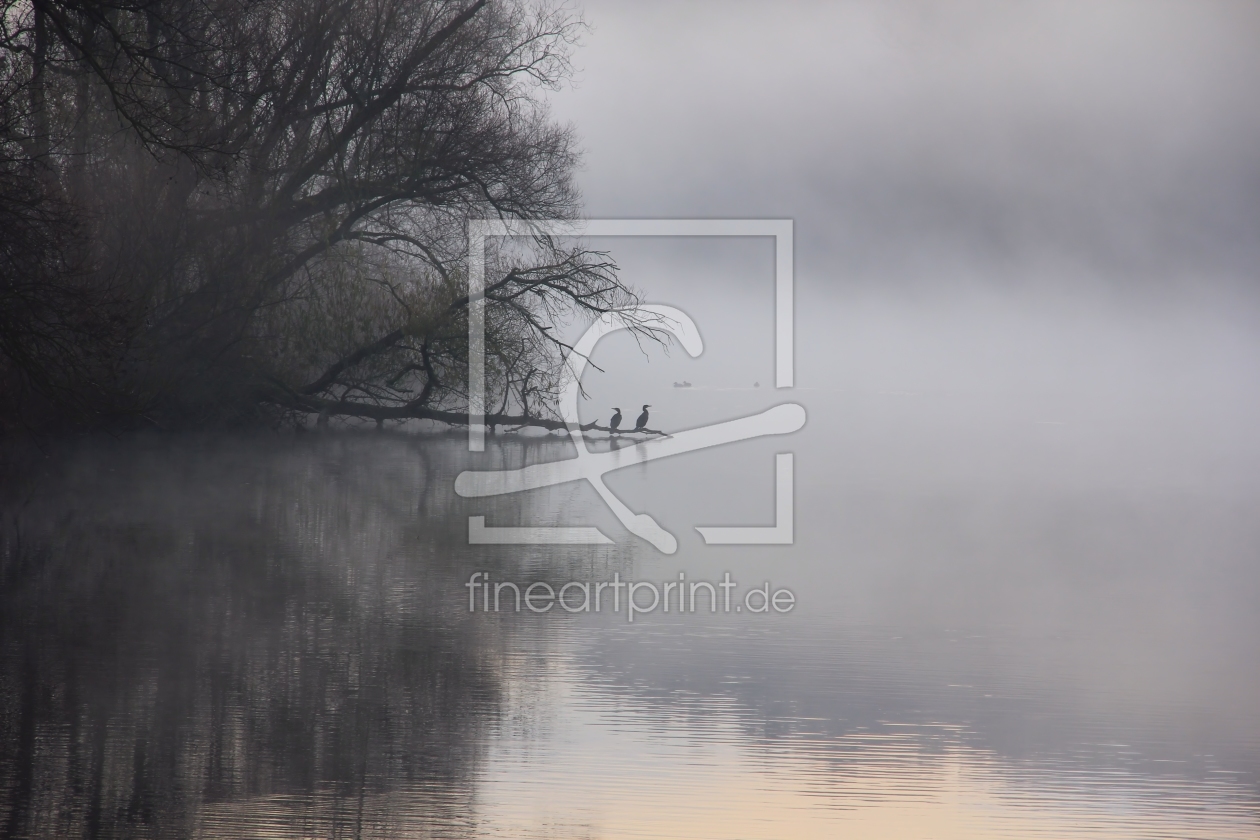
[
  {"x": 616, "y": 419},
  {"x": 641, "y": 423}
]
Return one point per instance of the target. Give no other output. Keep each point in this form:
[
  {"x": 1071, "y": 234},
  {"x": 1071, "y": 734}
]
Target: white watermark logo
[
  {"x": 641, "y": 596},
  {"x": 592, "y": 466}
]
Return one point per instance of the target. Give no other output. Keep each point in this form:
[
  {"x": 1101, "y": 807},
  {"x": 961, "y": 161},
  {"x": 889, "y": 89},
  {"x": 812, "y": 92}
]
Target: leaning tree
[{"x": 243, "y": 208}]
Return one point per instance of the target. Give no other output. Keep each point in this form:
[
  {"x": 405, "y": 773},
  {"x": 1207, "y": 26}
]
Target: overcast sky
[
  {"x": 1115, "y": 136},
  {"x": 986, "y": 194}
]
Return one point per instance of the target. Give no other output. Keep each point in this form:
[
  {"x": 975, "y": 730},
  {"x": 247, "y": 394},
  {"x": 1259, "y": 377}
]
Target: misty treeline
[{"x": 226, "y": 211}]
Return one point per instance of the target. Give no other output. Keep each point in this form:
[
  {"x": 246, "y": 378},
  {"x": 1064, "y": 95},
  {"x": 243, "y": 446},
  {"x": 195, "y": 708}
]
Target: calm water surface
[{"x": 270, "y": 637}]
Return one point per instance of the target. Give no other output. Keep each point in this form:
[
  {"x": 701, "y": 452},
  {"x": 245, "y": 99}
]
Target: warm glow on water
[
  {"x": 241, "y": 639},
  {"x": 698, "y": 768},
  {"x": 572, "y": 759}
]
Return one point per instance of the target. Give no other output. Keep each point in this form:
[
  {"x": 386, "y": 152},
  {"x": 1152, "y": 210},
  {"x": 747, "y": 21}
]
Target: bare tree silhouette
[{"x": 258, "y": 209}]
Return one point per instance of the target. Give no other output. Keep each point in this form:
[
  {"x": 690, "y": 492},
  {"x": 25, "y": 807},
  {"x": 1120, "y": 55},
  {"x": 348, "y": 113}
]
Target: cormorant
[
  {"x": 616, "y": 419},
  {"x": 641, "y": 423}
]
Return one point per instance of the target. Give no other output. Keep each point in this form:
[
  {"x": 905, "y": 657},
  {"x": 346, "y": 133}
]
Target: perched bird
[
  {"x": 616, "y": 419},
  {"x": 641, "y": 423}
]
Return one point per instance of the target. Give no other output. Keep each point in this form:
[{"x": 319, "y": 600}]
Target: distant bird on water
[
  {"x": 641, "y": 423},
  {"x": 616, "y": 419}
]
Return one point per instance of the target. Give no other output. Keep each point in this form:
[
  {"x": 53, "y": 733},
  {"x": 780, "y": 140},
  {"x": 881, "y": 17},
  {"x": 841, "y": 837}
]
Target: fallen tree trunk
[{"x": 350, "y": 408}]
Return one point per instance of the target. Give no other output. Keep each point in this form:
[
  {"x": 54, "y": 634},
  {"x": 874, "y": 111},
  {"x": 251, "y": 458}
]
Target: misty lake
[{"x": 270, "y": 636}]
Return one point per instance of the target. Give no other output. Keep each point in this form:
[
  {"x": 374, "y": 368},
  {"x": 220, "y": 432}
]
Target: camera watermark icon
[{"x": 592, "y": 466}]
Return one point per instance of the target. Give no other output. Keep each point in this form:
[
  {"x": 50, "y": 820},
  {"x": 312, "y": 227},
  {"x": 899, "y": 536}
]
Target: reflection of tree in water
[{"x": 209, "y": 646}]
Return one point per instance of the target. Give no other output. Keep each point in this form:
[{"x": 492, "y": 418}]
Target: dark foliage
[{"x": 225, "y": 211}]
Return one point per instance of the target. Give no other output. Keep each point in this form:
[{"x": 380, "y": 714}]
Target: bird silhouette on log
[{"x": 641, "y": 423}]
